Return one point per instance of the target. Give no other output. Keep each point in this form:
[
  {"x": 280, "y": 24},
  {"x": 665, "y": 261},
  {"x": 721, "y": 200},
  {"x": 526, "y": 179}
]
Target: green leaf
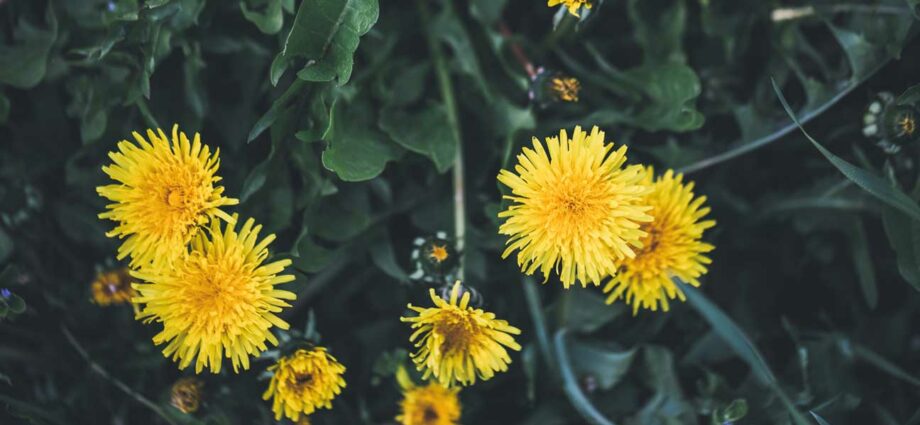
[
  {"x": 672, "y": 90},
  {"x": 570, "y": 385},
  {"x": 448, "y": 27},
  {"x": 355, "y": 150},
  {"x": 659, "y": 28},
  {"x": 585, "y": 311},
  {"x": 326, "y": 33},
  {"x": 312, "y": 258},
  {"x": 293, "y": 92},
  {"x": 384, "y": 258},
  {"x": 862, "y": 260},
  {"x": 269, "y": 20},
  {"x": 603, "y": 362},
  {"x": 873, "y": 184},
  {"x": 427, "y": 133},
  {"x": 904, "y": 237},
  {"x": 726, "y": 328},
  {"x": 23, "y": 64}
]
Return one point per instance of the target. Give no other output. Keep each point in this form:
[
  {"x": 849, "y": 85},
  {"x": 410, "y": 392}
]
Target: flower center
[
  {"x": 438, "y": 253},
  {"x": 908, "y": 125},
  {"x": 303, "y": 380},
  {"x": 175, "y": 198},
  {"x": 430, "y": 415},
  {"x": 455, "y": 329}
]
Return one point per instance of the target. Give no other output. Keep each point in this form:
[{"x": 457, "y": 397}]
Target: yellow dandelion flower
[
  {"x": 438, "y": 253},
  {"x": 304, "y": 381},
  {"x": 576, "y": 209},
  {"x": 433, "y": 404},
  {"x": 457, "y": 343},
  {"x": 112, "y": 287},
  {"x": 164, "y": 191},
  {"x": 572, "y": 5},
  {"x": 185, "y": 395},
  {"x": 565, "y": 88},
  {"x": 671, "y": 247},
  {"x": 220, "y": 300}
]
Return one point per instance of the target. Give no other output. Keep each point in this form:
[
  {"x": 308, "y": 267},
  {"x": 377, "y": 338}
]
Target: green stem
[
  {"x": 115, "y": 381},
  {"x": 450, "y": 105},
  {"x": 535, "y": 307}
]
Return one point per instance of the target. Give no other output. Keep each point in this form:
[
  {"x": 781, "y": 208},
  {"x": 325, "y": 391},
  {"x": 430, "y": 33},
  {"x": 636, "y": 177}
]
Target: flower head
[
  {"x": 671, "y": 246},
  {"x": 576, "y": 209},
  {"x": 432, "y": 404},
  {"x": 113, "y": 287},
  {"x": 219, "y": 301},
  {"x": 185, "y": 394},
  {"x": 572, "y": 5},
  {"x": 457, "y": 343},
  {"x": 304, "y": 381},
  {"x": 164, "y": 191},
  {"x": 565, "y": 88}
]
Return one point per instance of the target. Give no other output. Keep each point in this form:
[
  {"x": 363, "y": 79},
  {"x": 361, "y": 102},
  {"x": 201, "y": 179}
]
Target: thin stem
[
  {"x": 115, "y": 381},
  {"x": 535, "y": 307},
  {"x": 792, "y": 13},
  {"x": 450, "y": 105},
  {"x": 516, "y": 50}
]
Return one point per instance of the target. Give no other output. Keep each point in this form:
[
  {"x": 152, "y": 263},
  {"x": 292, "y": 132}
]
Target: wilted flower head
[
  {"x": 185, "y": 395},
  {"x": 458, "y": 343},
  {"x": 219, "y": 301},
  {"x": 165, "y": 189},
  {"x": 576, "y": 209},
  {"x": 304, "y": 381},
  {"x": 113, "y": 287},
  {"x": 565, "y": 88},
  {"x": 671, "y": 248}
]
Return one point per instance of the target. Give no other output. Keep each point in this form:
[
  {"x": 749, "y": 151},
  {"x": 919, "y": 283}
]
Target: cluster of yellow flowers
[
  {"x": 579, "y": 211},
  {"x": 206, "y": 282},
  {"x": 576, "y": 210}
]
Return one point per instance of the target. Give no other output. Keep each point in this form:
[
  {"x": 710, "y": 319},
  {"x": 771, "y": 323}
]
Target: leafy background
[{"x": 335, "y": 134}]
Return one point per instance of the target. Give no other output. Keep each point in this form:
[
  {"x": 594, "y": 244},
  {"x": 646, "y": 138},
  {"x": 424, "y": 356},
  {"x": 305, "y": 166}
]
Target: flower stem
[
  {"x": 516, "y": 50},
  {"x": 450, "y": 105},
  {"x": 115, "y": 381}
]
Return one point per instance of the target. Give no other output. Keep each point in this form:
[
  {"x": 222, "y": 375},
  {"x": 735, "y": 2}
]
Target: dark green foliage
[{"x": 339, "y": 122}]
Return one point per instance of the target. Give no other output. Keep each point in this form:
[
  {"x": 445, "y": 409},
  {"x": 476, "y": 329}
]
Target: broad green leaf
[
  {"x": 427, "y": 133},
  {"x": 659, "y": 29},
  {"x": 269, "y": 20},
  {"x": 23, "y": 64},
  {"x": 871, "y": 183},
  {"x": 327, "y": 33},
  {"x": 313, "y": 258},
  {"x": 672, "y": 90},
  {"x": 904, "y": 237},
  {"x": 293, "y": 92},
  {"x": 355, "y": 151}
]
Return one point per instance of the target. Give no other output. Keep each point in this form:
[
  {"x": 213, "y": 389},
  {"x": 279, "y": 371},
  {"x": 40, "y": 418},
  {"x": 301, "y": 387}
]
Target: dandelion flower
[
  {"x": 219, "y": 301},
  {"x": 304, "y": 381},
  {"x": 671, "y": 247},
  {"x": 457, "y": 343},
  {"x": 576, "y": 209},
  {"x": 565, "y": 88},
  {"x": 572, "y": 5},
  {"x": 164, "y": 191},
  {"x": 432, "y": 404},
  {"x": 112, "y": 288},
  {"x": 185, "y": 395}
]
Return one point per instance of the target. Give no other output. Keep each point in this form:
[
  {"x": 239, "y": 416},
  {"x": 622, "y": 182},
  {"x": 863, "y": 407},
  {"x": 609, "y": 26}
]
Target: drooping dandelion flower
[
  {"x": 185, "y": 395},
  {"x": 671, "y": 248},
  {"x": 113, "y": 287},
  {"x": 165, "y": 189},
  {"x": 219, "y": 301},
  {"x": 304, "y": 381},
  {"x": 576, "y": 209},
  {"x": 572, "y": 5},
  {"x": 458, "y": 343},
  {"x": 433, "y": 404}
]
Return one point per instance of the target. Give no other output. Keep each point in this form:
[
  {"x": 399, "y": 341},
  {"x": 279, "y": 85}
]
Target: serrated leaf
[
  {"x": 327, "y": 33},
  {"x": 426, "y": 133}
]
